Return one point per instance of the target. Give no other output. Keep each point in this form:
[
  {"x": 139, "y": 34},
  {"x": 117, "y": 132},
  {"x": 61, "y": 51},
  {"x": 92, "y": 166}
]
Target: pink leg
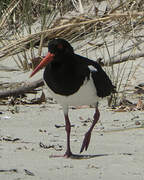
[
  {"x": 87, "y": 137},
  {"x": 68, "y": 152}
]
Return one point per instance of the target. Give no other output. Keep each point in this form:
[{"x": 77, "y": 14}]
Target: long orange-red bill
[{"x": 44, "y": 62}]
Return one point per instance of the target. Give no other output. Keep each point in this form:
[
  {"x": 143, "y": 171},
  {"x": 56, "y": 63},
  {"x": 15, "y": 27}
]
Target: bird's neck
[{"x": 64, "y": 59}]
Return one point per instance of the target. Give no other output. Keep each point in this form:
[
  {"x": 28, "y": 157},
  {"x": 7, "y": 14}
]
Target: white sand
[{"x": 117, "y": 144}]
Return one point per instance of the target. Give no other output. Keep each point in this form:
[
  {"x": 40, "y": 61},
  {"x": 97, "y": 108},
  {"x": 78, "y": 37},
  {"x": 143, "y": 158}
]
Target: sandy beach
[
  {"x": 30, "y": 134},
  {"x": 29, "y": 137}
]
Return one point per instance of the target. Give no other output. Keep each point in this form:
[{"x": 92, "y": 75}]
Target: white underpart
[
  {"x": 92, "y": 68},
  {"x": 86, "y": 95}
]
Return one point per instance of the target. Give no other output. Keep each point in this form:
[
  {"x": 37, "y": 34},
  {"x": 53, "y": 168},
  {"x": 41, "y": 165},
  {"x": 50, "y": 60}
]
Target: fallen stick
[
  {"x": 26, "y": 88},
  {"x": 121, "y": 60},
  {"x": 33, "y": 85}
]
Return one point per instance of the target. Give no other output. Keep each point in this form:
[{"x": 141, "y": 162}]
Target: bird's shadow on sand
[{"x": 80, "y": 157}]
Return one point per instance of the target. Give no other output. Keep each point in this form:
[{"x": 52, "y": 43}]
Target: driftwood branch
[
  {"x": 23, "y": 89},
  {"x": 33, "y": 85},
  {"x": 121, "y": 60}
]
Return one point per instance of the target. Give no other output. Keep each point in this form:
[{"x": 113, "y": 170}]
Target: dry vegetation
[{"x": 26, "y": 26}]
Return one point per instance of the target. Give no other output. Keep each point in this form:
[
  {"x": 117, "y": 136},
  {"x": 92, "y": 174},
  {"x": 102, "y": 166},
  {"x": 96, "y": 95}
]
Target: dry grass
[
  {"x": 66, "y": 28},
  {"x": 119, "y": 22}
]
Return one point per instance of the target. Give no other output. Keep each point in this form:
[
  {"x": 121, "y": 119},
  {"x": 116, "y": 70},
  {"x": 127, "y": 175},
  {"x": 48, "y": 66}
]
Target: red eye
[{"x": 59, "y": 46}]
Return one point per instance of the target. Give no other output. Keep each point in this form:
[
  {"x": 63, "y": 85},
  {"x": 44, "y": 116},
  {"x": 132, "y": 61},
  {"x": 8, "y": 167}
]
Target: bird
[{"x": 74, "y": 80}]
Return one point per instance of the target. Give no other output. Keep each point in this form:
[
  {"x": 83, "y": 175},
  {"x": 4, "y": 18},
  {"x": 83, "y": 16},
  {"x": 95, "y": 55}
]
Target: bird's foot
[
  {"x": 67, "y": 154},
  {"x": 86, "y": 141}
]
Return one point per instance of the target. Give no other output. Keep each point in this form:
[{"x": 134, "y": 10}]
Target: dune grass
[{"x": 27, "y": 26}]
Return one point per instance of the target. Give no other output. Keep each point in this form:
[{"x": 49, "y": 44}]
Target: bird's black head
[
  {"x": 56, "y": 48},
  {"x": 60, "y": 47}
]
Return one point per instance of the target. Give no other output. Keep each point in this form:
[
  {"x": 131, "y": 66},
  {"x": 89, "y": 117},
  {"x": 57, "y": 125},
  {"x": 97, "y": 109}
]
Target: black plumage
[{"x": 74, "y": 80}]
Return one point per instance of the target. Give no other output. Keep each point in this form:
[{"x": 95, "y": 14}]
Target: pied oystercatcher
[{"x": 74, "y": 80}]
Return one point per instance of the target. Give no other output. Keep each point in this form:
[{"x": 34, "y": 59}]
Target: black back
[
  {"x": 101, "y": 80},
  {"x": 65, "y": 77},
  {"x": 68, "y": 71}
]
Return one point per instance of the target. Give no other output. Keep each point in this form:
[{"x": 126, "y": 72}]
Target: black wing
[{"x": 101, "y": 80}]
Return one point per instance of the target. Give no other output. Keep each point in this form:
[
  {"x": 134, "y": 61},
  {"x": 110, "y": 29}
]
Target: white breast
[
  {"x": 91, "y": 68},
  {"x": 86, "y": 95}
]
